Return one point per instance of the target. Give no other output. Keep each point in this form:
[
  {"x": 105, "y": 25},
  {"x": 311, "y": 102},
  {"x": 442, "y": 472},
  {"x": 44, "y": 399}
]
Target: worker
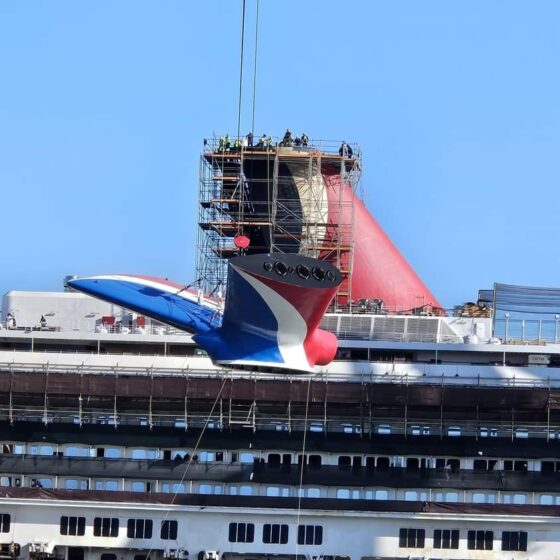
[
  {"x": 287, "y": 140},
  {"x": 227, "y": 143},
  {"x": 269, "y": 143},
  {"x": 304, "y": 140},
  {"x": 297, "y": 141},
  {"x": 342, "y": 150},
  {"x": 43, "y": 322},
  {"x": 237, "y": 144},
  {"x": 262, "y": 141},
  {"x": 249, "y": 139},
  {"x": 221, "y": 145}
]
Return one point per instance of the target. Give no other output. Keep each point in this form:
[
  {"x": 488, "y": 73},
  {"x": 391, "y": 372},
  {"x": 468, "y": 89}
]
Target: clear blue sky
[{"x": 456, "y": 105}]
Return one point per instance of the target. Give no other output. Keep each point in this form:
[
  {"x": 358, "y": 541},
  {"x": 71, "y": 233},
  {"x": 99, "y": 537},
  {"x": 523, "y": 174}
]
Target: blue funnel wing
[{"x": 156, "y": 298}]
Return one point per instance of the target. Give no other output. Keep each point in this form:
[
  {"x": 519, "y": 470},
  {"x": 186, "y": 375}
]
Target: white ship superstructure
[{"x": 427, "y": 437}]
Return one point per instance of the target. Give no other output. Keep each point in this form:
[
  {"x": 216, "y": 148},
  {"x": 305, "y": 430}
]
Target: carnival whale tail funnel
[{"x": 274, "y": 304}]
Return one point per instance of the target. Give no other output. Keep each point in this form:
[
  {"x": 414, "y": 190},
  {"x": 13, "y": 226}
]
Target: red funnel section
[{"x": 379, "y": 270}]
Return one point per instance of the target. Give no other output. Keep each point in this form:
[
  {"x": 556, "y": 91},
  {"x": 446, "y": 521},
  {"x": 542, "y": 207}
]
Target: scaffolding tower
[{"x": 287, "y": 199}]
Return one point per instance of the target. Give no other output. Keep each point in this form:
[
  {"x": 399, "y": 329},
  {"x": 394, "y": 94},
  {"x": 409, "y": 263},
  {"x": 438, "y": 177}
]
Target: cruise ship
[{"x": 433, "y": 434}]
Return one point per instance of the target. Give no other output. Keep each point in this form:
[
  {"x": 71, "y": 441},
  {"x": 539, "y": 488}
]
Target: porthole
[
  {"x": 280, "y": 268},
  {"x": 302, "y": 271},
  {"x": 318, "y": 273},
  {"x": 267, "y": 266},
  {"x": 331, "y": 275}
]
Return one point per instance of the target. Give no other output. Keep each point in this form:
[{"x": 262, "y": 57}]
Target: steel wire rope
[
  {"x": 302, "y": 464},
  {"x": 241, "y": 71},
  {"x": 175, "y": 494},
  {"x": 255, "y": 67}
]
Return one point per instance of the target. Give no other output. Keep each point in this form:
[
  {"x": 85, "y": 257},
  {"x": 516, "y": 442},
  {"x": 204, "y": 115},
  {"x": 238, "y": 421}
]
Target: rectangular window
[
  {"x": 514, "y": 540},
  {"x": 275, "y": 534},
  {"x": 480, "y": 540},
  {"x": 106, "y": 527},
  {"x": 139, "y": 529},
  {"x": 310, "y": 534},
  {"x": 169, "y": 530},
  {"x": 5, "y": 522},
  {"x": 412, "y": 538},
  {"x": 72, "y": 526},
  {"x": 241, "y": 532},
  {"x": 446, "y": 538}
]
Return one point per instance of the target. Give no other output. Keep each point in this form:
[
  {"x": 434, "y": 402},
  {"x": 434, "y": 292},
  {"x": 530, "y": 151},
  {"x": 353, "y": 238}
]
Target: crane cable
[
  {"x": 302, "y": 466},
  {"x": 241, "y": 72},
  {"x": 255, "y": 67}
]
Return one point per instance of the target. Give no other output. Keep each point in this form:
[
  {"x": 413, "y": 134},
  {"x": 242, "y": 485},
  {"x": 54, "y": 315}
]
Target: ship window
[
  {"x": 139, "y": 454},
  {"x": 277, "y": 491},
  {"x": 275, "y": 534},
  {"x": 169, "y": 529},
  {"x": 381, "y": 495},
  {"x": 274, "y": 459},
  {"x": 446, "y": 538},
  {"x": 111, "y": 485},
  {"x": 519, "y": 499},
  {"x": 106, "y": 527},
  {"x": 514, "y": 540},
  {"x": 344, "y": 461},
  {"x": 138, "y": 486},
  {"x": 75, "y": 484},
  {"x": 139, "y": 529},
  {"x": 112, "y": 453},
  {"x": 76, "y": 451},
  {"x": 347, "y": 494},
  {"x": 246, "y": 458},
  {"x": 480, "y": 540},
  {"x": 451, "y": 496},
  {"x": 548, "y": 466},
  {"x": 5, "y": 522},
  {"x": 482, "y": 498},
  {"x": 383, "y": 462},
  {"x": 453, "y": 464},
  {"x": 207, "y": 457},
  {"x": 175, "y": 487},
  {"x": 41, "y": 483},
  {"x": 313, "y": 493},
  {"x": 412, "y": 463},
  {"x": 310, "y": 534},
  {"x": 242, "y": 532},
  {"x": 315, "y": 461},
  {"x": 205, "y": 489},
  {"x": 411, "y": 538},
  {"x": 73, "y": 526},
  {"x": 520, "y": 466},
  {"x": 546, "y": 500},
  {"x": 108, "y": 556},
  {"x": 316, "y": 427}
]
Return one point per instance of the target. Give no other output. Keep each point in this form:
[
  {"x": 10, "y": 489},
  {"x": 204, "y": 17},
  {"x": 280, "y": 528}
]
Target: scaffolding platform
[{"x": 284, "y": 199}]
